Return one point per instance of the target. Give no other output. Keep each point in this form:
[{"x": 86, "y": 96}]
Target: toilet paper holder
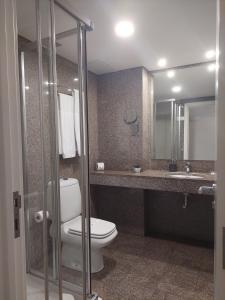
[
  {"x": 39, "y": 216},
  {"x": 100, "y": 166}
]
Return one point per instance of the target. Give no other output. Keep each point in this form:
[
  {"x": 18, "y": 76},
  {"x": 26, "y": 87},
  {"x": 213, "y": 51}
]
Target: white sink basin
[{"x": 185, "y": 176}]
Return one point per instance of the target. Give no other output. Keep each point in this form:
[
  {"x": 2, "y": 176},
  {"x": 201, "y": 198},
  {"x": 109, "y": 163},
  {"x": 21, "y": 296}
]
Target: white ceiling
[{"x": 180, "y": 30}]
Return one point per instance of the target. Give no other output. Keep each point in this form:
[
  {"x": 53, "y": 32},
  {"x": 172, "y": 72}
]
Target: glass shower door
[
  {"x": 39, "y": 165},
  {"x": 52, "y": 50},
  {"x": 71, "y": 71}
]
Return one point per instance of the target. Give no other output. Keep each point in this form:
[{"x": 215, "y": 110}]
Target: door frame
[
  {"x": 219, "y": 274},
  {"x": 12, "y": 251}
]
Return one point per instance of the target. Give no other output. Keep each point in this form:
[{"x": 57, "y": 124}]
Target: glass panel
[
  {"x": 70, "y": 159},
  {"x": 32, "y": 146},
  {"x": 53, "y": 146},
  {"x": 35, "y": 52}
]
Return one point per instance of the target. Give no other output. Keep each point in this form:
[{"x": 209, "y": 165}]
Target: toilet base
[{"x": 72, "y": 258}]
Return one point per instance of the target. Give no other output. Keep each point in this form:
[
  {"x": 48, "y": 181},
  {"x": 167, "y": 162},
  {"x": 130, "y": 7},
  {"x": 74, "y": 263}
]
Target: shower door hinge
[{"x": 17, "y": 206}]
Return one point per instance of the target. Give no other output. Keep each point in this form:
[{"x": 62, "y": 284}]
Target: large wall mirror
[{"x": 184, "y": 113}]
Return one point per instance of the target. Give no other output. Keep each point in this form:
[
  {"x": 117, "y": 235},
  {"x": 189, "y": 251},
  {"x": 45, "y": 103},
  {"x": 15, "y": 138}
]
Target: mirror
[{"x": 184, "y": 113}]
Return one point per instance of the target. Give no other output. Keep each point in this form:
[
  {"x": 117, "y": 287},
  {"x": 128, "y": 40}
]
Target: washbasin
[{"x": 185, "y": 176}]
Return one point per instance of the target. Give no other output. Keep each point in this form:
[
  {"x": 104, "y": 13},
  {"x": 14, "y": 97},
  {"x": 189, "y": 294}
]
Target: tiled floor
[
  {"x": 152, "y": 269},
  {"x": 144, "y": 268},
  {"x": 35, "y": 290}
]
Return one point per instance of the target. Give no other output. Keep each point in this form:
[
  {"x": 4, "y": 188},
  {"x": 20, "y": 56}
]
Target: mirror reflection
[{"x": 184, "y": 113}]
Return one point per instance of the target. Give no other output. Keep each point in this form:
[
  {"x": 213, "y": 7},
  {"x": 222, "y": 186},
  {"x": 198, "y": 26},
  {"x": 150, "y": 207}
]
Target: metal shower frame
[{"x": 83, "y": 25}]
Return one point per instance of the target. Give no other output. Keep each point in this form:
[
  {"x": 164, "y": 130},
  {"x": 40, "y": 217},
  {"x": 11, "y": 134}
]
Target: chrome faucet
[{"x": 187, "y": 167}]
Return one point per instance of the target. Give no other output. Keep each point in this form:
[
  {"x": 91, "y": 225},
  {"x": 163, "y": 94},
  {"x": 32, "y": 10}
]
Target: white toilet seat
[
  {"x": 100, "y": 229},
  {"x": 97, "y": 241}
]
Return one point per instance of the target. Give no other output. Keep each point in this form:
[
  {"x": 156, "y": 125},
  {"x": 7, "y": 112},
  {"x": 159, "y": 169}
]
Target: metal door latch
[{"x": 17, "y": 206}]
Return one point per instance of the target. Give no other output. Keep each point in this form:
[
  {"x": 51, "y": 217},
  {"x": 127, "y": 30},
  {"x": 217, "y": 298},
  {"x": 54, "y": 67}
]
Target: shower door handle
[{"x": 17, "y": 206}]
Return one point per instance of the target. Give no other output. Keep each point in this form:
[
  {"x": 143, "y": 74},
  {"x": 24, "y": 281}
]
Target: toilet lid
[{"x": 99, "y": 228}]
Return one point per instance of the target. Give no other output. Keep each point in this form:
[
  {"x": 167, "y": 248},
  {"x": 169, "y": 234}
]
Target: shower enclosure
[{"x": 53, "y": 56}]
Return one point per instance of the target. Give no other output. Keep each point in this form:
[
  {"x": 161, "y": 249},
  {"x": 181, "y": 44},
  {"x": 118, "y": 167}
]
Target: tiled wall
[{"x": 122, "y": 145}]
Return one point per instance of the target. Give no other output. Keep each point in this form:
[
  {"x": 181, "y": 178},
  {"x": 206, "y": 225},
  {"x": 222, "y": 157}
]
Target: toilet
[{"x": 102, "y": 232}]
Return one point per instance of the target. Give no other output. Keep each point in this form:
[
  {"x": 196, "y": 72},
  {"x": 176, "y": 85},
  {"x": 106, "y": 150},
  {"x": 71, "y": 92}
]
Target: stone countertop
[{"x": 152, "y": 180}]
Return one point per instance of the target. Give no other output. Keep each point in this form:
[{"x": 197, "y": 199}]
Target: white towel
[
  {"x": 77, "y": 120},
  {"x": 59, "y": 128},
  {"x": 67, "y": 121}
]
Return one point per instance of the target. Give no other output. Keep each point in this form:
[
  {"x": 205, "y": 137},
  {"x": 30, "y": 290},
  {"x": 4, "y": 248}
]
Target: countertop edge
[{"x": 148, "y": 181}]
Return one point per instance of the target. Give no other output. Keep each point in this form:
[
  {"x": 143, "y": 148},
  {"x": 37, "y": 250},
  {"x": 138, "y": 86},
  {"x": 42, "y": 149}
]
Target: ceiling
[{"x": 180, "y": 30}]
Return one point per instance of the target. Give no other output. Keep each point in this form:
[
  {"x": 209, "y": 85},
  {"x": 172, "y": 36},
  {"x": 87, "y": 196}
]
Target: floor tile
[{"x": 144, "y": 268}]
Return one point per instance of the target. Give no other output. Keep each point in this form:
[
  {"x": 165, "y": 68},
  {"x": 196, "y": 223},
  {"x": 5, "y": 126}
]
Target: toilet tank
[{"x": 70, "y": 199}]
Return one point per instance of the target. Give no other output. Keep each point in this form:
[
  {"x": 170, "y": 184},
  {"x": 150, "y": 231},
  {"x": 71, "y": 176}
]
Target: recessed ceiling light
[
  {"x": 124, "y": 29},
  {"x": 176, "y": 89},
  {"x": 212, "y": 67},
  {"x": 162, "y": 62},
  {"x": 75, "y": 79},
  {"x": 27, "y": 87},
  {"x": 171, "y": 73},
  {"x": 210, "y": 54}
]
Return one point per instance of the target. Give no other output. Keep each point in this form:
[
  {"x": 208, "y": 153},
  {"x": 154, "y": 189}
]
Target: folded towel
[
  {"x": 59, "y": 129},
  {"x": 77, "y": 120},
  {"x": 67, "y": 121}
]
